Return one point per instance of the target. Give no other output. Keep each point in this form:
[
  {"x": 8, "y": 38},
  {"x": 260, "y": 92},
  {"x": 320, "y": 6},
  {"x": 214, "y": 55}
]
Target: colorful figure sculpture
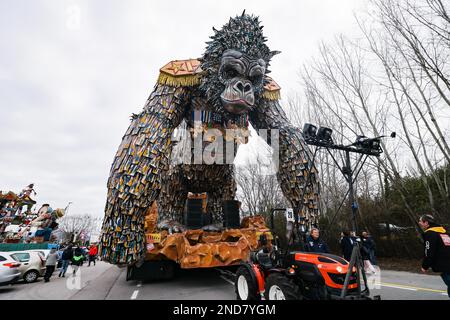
[
  {"x": 46, "y": 221},
  {"x": 227, "y": 87},
  {"x": 25, "y": 199},
  {"x": 28, "y": 190}
]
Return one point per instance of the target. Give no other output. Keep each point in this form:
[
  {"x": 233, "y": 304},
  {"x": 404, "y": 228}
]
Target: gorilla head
[
  {"x": 242, "y": 75},
  {"x": 235, "y": 62}
]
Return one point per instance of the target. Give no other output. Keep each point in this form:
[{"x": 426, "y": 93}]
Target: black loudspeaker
[
  {"x": 231, "y": 217},
  {"x": 193, "y": 217},
  {"x": 207, "y": 219}
]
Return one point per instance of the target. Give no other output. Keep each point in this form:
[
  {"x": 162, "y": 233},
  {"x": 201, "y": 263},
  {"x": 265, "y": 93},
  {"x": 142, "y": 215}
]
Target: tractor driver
[{"x": 314, "y": 243}]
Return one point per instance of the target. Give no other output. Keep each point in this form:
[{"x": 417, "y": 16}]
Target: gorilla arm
[
  {"x": 134, "y": 181},
  {"x": 294, "y": 159}
]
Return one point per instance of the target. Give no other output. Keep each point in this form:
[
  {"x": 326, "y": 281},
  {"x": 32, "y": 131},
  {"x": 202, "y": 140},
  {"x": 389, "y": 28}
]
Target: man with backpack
[
  {"x": 77, "y": 260},
  {"x": 437, "y": 248}
]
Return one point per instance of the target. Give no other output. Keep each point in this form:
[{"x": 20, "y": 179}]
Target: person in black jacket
[
  {"x": 365, "y": 248},
  {"x": 77, "y": 259},
  {"x": 369, "y": 243},
  {"x": 347, "y": 243},
  {"x": 66, "y": 258},
  {"x": 314, "y": 243},
  {"x": 437, "y": 248}
]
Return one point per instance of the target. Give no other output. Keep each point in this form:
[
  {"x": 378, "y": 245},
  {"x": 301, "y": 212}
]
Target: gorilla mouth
[{"x": 238, "y": 106}]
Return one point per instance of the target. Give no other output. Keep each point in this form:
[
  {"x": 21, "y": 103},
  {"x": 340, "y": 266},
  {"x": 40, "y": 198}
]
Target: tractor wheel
[
  {"x": 323, "y": 293},
  {"x": 246, "y": 288},
  {"x": 280, "y": 287}
]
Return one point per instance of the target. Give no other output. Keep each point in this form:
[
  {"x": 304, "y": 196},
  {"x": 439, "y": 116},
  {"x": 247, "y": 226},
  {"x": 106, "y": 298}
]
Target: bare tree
[
  {"x": 396, "y": 75},
  {"x": 258, "y": 190},
  {"x": 335, "y": 84},
  {"x": 74, "y": 225},
  {"x": 415, "y": 58}
]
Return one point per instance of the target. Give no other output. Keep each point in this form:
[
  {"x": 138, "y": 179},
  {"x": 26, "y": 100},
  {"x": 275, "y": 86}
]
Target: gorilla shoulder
[
  {"x": 271, "y": 89},
  {"x": 181, "y": 73}
]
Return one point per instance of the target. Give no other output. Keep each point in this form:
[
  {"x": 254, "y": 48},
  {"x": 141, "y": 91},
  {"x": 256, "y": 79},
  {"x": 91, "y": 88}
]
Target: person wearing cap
[{"x": 436, "y": 248}]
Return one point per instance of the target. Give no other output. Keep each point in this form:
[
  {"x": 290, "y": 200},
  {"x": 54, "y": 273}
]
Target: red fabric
[{"x": 93, "y": 251}]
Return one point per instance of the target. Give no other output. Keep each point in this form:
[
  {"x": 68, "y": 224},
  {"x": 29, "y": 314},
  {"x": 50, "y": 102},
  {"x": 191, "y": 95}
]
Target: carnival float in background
[{"x": 20, "y": 224}]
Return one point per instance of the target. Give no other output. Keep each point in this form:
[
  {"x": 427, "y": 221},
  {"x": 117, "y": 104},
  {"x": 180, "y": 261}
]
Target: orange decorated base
[{"x": 202, "y": 249}]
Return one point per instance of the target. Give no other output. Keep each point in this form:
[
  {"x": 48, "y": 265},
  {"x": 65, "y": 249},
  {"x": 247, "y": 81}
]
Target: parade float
[
  {"x": 21, "y": 224},
  {"x": 151, "y": 218}
]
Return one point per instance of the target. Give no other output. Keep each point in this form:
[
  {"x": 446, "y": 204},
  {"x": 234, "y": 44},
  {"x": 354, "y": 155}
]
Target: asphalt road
[{"x": 105, "y": 281}]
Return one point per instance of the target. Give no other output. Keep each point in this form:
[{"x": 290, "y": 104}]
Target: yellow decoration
[
  {"x": 271, "y": 90},
  {"x": 181, "y": 73},
  {"x": 154, "y": 238},
  {"x": 267, "y": 234},
  {"x": 187, "y": 73},
  {"x": 271, "y": 95},
  {"x": 182, "y": 81}
]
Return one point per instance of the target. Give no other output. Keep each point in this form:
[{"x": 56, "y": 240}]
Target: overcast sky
[{"x": 72, "y": 72}]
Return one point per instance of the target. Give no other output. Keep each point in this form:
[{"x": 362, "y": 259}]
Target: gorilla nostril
[
  {"x": 240, "y": 86},
  {"x": 247, "y": 88}
]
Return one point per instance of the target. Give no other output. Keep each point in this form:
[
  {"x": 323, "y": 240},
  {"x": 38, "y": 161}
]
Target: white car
[
  {"x": 32, "y": 264},
  {"x": 9, "y": 270}
]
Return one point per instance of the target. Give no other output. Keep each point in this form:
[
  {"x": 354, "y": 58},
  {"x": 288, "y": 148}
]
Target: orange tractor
[{"x": 295, "y": 275}]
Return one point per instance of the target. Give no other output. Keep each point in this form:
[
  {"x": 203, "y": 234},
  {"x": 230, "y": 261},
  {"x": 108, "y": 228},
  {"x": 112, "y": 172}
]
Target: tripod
[
  {"x": 357, "y": 263},
  {"x": 356, "y": 260}
]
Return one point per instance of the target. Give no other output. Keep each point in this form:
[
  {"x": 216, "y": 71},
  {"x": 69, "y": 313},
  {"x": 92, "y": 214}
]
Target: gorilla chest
[{"x": 211, "y": 136}]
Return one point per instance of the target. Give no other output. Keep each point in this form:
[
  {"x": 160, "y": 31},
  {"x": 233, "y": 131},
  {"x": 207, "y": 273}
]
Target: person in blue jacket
[{"x": 314, "y": 243}]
